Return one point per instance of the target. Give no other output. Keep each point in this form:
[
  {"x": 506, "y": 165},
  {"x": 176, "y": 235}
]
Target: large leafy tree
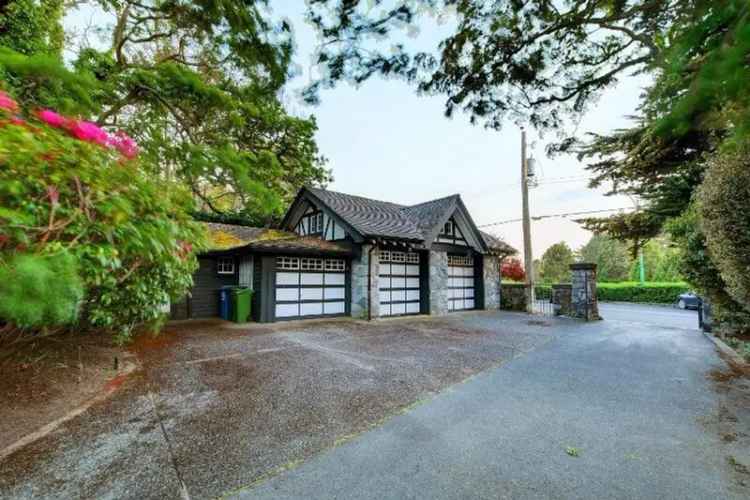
[
  {"x": 610, "y": 255},
  {"x": 537, "y": 61},
  {"x": 555, "y": 263},
  {"x": 196, "y": 84}
]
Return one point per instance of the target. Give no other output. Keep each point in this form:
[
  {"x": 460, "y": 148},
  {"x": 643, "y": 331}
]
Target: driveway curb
[
  {"x": 729, "y": 354},
  {"x": 110, "y": 387}
]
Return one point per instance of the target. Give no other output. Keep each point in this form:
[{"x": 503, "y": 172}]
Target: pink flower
[
  {"x": 51, "y": 118},
  {"x": 124, "y": 144},
  {"x": 17, "y": 120},
  {"x": 89, "y": 132},
  {"x": 7, "y": 103}
]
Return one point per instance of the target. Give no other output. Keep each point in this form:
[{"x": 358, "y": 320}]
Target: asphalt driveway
[
  {"x": 218, "y": 407},
  {"x": 477, "y": 404},
  {"x": 650, "y": 412}
]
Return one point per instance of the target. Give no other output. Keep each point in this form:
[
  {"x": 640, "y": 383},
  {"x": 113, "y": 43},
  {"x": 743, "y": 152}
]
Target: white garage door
[
  {"x": 460, "y": 282},
  {"x": 309, "y": 287},
  {"x": 398, "y": 278}
]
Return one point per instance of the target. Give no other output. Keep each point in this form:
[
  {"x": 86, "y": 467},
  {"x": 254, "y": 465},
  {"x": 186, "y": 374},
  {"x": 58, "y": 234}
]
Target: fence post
[{"x": 583, "y": 299}]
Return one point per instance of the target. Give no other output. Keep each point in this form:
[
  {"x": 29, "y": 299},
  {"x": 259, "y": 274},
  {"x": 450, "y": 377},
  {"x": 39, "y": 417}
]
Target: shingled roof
[
  {"x": 370, "y": 217},
  {"x": 376, "y": 218}
]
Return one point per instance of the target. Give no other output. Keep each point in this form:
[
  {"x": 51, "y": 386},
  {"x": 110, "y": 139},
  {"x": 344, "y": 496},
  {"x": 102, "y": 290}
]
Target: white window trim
[{"x": 221, "y": 267}]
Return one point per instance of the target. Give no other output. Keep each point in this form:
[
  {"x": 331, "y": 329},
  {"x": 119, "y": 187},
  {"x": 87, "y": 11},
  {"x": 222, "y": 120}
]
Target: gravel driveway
[{"x": 218, "y": 407}]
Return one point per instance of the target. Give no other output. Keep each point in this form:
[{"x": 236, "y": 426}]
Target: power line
[{"x": 549, "y": 216}]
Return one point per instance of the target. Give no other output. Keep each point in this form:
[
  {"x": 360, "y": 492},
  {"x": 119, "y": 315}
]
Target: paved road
[
  {"x": 668, "y": 317},
  {"x": 632, "y": 398}
]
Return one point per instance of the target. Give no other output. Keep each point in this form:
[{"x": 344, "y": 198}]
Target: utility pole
[{"x": 528, "y": 259}]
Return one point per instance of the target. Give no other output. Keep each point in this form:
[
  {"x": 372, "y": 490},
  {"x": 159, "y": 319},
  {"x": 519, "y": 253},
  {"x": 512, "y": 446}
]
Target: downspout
[{"x": 369, "y": 281}]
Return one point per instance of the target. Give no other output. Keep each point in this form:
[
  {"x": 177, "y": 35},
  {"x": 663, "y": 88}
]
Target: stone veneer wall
[
  {"x": 492, "y": 288},
  {"x": 561, "y": 295},
  {"x": 583, "y": 300},
  {"x": 513, "y": 297},
  {"x": 438, "y": 283},
  {"x": 360, "y": 271}
]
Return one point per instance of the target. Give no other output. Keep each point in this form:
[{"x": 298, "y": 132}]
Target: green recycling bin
[{"x": 241, "y": 299}]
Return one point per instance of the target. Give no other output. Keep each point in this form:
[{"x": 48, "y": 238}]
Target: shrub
[
  {"x": 657, "y": 293},
  {"x": 69, "y": 188},
  {"x": 725, "y": 219},
  {"x": 512, "y": 269},
  {"x": 40, "y": 290}
]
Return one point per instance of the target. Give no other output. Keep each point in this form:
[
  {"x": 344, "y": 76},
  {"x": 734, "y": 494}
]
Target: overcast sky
[{"x": 384, "y": 141}]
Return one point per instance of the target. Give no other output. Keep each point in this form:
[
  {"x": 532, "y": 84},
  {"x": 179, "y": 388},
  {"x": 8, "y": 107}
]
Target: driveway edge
[
  {"x": 729, "y": 354},
  {"x": 110, "y": 387}
]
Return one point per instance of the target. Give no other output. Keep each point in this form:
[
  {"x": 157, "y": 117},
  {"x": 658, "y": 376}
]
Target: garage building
[{"x": 342, "y": 255}]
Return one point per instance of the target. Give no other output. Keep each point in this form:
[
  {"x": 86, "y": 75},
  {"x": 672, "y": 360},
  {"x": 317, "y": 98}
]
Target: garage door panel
[
  {"x": 333, "y": 307},
  {"x": 335, "y": 279},
  {"x": 334, "y": 293},
  {"x": 412, "y": 295},
  {"x": 412, "y": 282},
  {"x": 461, "y": 282},
  {"x": 385, "y": 283},
  {"x": 398, "y": 308},
  {"x": 412, "y": 270},
  {"x": 398, "y": 282},
  {"x": 287, "y": 310},
  {"x": 311, "y": 278},
  {"x": 384, "y": 269},
  {"x": 398, "y": 269},
  {"x": 385, "y": 309},
  {"x": 469, "y": 304},
  {"x": 412, "y": 307},
  {"x": 311, "y": 294},
  {"x": 311, "y": 309},
  {"x": 398, "y": 295},
  {"x": 285, "y": 278},
  {"x": 284, "y": 294}
]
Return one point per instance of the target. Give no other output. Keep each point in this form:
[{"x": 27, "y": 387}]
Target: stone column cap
[{"x": 583, "y": 266}]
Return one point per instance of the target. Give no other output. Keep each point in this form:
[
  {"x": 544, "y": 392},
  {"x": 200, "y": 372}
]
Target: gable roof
[{"x": 371, "y": 218}]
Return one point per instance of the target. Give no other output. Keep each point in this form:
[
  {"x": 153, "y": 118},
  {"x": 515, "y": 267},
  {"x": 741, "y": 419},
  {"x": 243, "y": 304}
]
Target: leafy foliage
[
  {"x": 611, "y": 257},
  {"x": 40, "y": 290},
  {"x": 534, "y": 61},
  {"x": 67, "y": 192},
  {"x": 555, "y": 263},
  {"x": 512, "y": 269},
  {"x": 725, "y": 219}
]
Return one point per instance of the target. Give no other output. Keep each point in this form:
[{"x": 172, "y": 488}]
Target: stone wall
[
  {"x": 513, "y": 297},
  {"x": 438, "y": 283},
  {"x": 561, "y": 295},
  {"x": 360, "y": 269},
  {"x": 583, "y": 292},
  {"x": 491, "y": 278}
]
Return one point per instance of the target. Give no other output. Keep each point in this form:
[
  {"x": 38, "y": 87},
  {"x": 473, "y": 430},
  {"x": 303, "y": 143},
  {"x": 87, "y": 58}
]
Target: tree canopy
[
  {"x": 555, "y": 263},
  {"x": 196, "y": 85}
]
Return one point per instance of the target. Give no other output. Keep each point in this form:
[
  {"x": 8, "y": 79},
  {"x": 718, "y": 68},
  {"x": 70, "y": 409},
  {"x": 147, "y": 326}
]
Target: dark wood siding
[{"x": 207, "y": 282}]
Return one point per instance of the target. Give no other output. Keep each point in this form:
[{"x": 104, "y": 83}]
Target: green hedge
[
  {"x": 630, "y": 291},
  {"x": 659, "y": 293}
]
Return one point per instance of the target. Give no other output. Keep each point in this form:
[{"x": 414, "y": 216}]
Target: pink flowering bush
[{"x": 83, "y": 240}]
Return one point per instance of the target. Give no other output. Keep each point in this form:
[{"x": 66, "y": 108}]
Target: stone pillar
[
  {"x": 438, "y": 283},
  {"x": 583, "y": 292},
  {"x": 491, "y": 278},
  {"x": 359, "y": 296},
  {"x": 561, "y": 294}
]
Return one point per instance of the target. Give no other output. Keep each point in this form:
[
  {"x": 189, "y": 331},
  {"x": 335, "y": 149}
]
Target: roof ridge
[
  {"x": 356, "y": 196},
  {"x": 455, "y": 195}
]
